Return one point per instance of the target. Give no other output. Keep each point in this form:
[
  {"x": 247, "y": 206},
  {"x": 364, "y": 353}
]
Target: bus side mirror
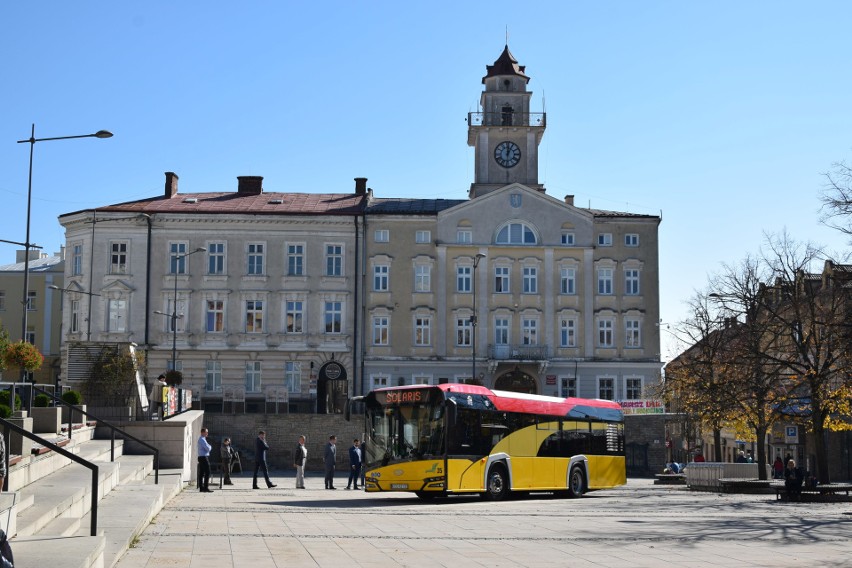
[{"x": 347, "y": 411}]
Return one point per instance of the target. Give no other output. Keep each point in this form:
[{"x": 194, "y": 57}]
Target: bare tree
[{"x": 836, "y": 198}]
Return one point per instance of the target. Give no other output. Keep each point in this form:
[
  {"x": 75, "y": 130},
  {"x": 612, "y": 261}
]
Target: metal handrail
[
  {"x": 62, "y": 451},
  {"x": 112, "y": 428}
]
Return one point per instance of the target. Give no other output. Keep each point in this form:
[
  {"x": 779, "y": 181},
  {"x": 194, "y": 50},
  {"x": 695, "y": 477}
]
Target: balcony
[{"x": 536, "y": 119}]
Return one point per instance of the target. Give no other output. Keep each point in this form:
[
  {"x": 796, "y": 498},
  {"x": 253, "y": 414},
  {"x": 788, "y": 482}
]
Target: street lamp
[
  {"x": 73, "y": 291},
  {"x": 174, "y": 315},
  {"x": 27, "y": 245},
  {"x": 476, "y": 259}
]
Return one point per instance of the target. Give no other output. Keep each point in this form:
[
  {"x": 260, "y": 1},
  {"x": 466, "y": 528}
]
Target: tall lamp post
[
  {"x": 476, "y": 259},
  {"x": 73, "y": 291},
  {"x": 27, "y": 245},
  {"x": 174, "y": 315}
]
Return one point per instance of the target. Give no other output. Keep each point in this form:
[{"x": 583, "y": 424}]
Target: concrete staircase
[{"x": 48, "y": 508}]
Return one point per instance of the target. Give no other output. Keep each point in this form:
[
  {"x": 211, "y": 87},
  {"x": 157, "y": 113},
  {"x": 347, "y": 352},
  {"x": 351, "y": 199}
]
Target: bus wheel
[
  {"x": 426, "y": 495},
  {"x": 576, "y": 482},
  {"x": 497, "y": 484}
]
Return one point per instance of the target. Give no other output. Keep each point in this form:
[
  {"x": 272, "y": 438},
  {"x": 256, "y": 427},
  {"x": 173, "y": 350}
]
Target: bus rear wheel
[
  {"x": 497, "y": 484},
  {"x": 576, "y": 482}
]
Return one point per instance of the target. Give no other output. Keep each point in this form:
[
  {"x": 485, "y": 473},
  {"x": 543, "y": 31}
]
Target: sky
[{"x": 720, "y": 116}]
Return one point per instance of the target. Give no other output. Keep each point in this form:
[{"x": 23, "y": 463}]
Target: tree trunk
[
  {"x": 717, "y": 444},
  {"x": 760, "y": 460}
]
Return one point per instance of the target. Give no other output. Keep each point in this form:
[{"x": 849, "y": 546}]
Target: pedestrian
[
  {"x": 363, "y": 465},
  {"x": 354, "y": 464},
  {"x": 204, "y": 449},
  {"x": 260, "y": 449},
  {"x": 226, "y": 453},
  {"x": 741, "y": 458},
  {"x": 157, "y": 397},
  {"x": 2, "y": 461},
  {"x": 778, "y": 468},
  {"x": 330, "y": 459},
  {"x": 749, "y": 457},
  {"x": 300, "y": 456}
]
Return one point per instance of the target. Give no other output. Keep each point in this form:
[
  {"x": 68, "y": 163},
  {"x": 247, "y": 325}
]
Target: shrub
[
  {"x": 4, "y": 399},
  {"x": 5, "y": 411},
  {"x": 72, "y": 397},
  {"x": 174, "y": 378},
  {"x": 41, "y": 401},
  {"x": 24, "y": 355}
]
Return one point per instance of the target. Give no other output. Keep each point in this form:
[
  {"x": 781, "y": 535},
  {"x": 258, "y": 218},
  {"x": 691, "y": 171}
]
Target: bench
[
  {"x": 828, "y": 489},
  {"x": 670, "y": 479},
  {"x": 736, "y": 485}
]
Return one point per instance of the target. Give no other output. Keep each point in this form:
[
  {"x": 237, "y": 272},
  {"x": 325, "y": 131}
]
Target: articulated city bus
[{"x": 462, "y": 439}]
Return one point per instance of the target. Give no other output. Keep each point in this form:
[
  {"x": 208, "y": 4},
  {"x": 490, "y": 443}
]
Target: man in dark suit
[
  {"x": 330, "y": 459},
  {"x": 260, "y": 449},
  {"x": 354, "y": 464}
]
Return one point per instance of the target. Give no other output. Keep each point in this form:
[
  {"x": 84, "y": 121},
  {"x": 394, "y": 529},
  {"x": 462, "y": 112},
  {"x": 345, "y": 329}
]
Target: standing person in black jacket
[
  {"x": 354, "y": 464},
  {"x": 260, "y": 449},
  {"x": 300, "y": 455},
  {"x": 330, "y": 459}
]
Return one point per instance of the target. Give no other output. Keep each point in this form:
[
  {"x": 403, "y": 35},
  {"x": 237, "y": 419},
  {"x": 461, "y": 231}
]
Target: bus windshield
[{"x": 404, "y": 432}]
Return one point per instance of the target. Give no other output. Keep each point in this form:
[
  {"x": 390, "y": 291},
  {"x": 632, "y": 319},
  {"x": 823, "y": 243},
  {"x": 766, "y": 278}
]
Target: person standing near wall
[
  {"x": 330, "y": 460},
  {"x": 204, "y": 449},
  {"x": 226, "y": 454},
  {"x": 354, "y": 464},
  {"x": 300, "y": 456}
]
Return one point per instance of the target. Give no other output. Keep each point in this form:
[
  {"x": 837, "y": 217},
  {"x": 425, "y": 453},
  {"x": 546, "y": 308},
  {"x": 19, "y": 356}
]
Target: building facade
[{"x": 331, "y": 295}]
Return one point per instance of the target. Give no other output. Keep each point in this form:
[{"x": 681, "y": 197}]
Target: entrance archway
[
  {"x": 516, "y": 381},
  {"x": 332, "y": 388}
]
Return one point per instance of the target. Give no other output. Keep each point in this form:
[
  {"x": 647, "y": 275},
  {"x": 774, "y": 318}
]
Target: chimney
[
  {"x": 249, "y": 185},
  {"x": 569, "y": 199},
  {"x": 171, "y": 184},
  {"x": 360, "y": 186}
]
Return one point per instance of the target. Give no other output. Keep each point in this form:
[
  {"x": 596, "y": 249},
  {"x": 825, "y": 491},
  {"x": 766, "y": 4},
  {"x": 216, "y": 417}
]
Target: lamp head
[{"x": 103, "y": 134}]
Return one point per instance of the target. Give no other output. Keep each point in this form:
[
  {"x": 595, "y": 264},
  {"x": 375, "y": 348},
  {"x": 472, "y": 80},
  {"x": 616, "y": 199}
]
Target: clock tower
[{"x": 505, "y": 134}]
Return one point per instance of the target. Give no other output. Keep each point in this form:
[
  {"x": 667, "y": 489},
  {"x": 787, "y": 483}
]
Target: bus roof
[{"x": 527, "y": 403}]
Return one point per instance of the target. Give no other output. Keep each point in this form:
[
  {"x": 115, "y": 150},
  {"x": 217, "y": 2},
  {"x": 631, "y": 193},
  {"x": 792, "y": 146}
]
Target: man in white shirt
[{"x": 204, "y": 449}]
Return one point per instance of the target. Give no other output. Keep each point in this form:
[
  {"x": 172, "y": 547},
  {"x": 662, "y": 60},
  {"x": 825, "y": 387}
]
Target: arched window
[{"x": 516, "y": 234}]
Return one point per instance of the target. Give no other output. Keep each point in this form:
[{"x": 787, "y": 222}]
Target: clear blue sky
[{"x": 720, "y": 115}]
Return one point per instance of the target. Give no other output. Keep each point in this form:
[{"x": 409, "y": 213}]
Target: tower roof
[{"x": 506, "y": 64}]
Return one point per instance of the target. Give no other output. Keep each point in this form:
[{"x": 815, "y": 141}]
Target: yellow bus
[{"x": 454, "y": 439}]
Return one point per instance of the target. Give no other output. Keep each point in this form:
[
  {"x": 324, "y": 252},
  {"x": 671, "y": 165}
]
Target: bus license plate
[{"x": 399, "y": 486}]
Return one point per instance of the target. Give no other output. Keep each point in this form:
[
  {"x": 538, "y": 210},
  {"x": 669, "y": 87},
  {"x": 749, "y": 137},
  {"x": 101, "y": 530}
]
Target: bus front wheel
[
  {"x": 576, "y": 482},
  {"x": 497, "y": 484}
]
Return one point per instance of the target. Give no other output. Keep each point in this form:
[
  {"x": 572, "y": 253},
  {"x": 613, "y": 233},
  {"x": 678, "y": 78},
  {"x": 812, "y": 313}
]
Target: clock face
[{"x": 507, "y": 154}]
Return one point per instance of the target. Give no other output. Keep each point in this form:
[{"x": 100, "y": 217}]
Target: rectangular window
[
  {"x": 381, "y": 236},
  {"x": 30, "y": 338},
  {"x": 568, "y": 387},
  {"x": 605, "y": 333},
  {"x": 213, "y": 376},
  {"x": 463, "y": 279},
  {"x": 254, "y": 316},
  {"x": 216, "y": 258},
  {"x": 632, "y": 336},
  {"x": 295, "y": 314},
  {"x": 379, "y": 381},
  {"x": 605, "y": 281},
  {"x": 501, "y": 331},
  {"x": 605, "y": 240},
  {"x": 423, "y": 237},
  {"x": 464, "y": 236},
  {"x": 463, "y": 332},
  {"x": 568, "y": 281},
  {"x": 422, "y": 331},
  {"x": 530, "y": 280},
  {"x": 177, "y": 258},
  {"x": 380, "y": 278},
  {"x": 215, "y": 316},
  {"x": 631, "y": 240},
  {"x": 293, "y": 376},
  {"x": 32, "y": 296},
  {"x": 254, "y": 257},
  {"x": 633, "y": 388},
  {"x": 77, "y": 260},
  {"x": 75, "y": 316},
  {"x": 253, "y": 376},
  {"x": 380, "y": 330},
  {"x": 568, "y": 239},
  {"x": 501, "y": 280},
  {"x": 631, "y": 282},
  {"x": 422, "y": 278},
  {"x": 333, "y": 317},
  {"x": 606, "y": 389},
  {"x": 118, "y": 258},
  {"x": 334, "y": 260},
  {"x": 568, "y": 332},
  {"x": 117, "y": 316},
  {"x": 3, "y": 300},
  {"x": 529, "y": 328},
  {"x": 295, "y": 260}
]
